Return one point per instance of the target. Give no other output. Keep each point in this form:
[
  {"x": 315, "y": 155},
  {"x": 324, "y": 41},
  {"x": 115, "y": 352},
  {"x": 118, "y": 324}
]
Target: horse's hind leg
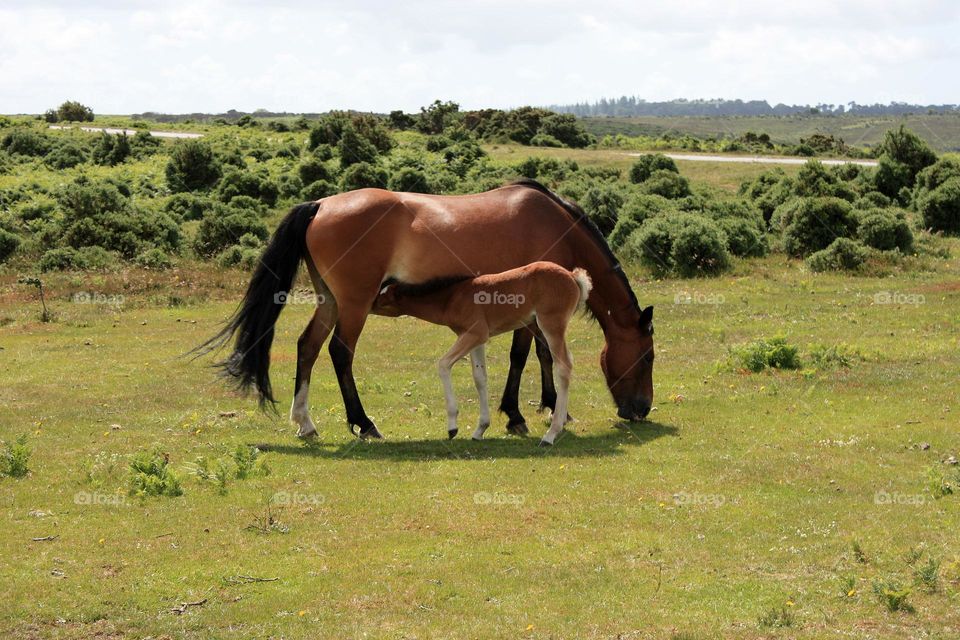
[
  {"x": 479, "y": 361},
  {"x": 548, "y": 392},
  {"x": 351, "y": 318},
  {"x": 510, "y": 403},
  {"x": 308, "y": 348}
]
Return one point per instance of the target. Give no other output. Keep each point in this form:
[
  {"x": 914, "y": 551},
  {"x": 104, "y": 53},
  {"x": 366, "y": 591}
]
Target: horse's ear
[{"x": 646, "y": 319}]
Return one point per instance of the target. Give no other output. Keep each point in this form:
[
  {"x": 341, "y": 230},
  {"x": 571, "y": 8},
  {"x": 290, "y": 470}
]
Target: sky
[{"x": 131, "y": 56}]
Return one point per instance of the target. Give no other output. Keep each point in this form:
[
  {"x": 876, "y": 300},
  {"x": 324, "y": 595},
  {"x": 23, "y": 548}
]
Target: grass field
[
  {"x": 752, "y": 505},
  {"x": 941, "y": 131}
]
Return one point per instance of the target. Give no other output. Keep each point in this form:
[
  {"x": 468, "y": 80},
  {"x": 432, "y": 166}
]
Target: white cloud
[{"x": 211, "y": 55}]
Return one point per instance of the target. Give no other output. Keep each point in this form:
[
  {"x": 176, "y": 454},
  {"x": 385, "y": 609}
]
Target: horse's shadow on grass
[{"x": 610, "y": 442}]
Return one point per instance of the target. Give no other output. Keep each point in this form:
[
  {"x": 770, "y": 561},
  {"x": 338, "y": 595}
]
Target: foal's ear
[{"x": 646, "y": 319}]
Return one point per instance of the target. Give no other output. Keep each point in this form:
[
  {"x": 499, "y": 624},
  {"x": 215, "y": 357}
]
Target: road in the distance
[
  {"x": 759, "y": 159},
  {"x": 130, "y": 132}
]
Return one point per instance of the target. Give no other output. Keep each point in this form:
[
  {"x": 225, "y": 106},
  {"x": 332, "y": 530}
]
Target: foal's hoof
[
  {"x": 544, "y": 443},
  {"x": 452, "y": 434},
  {"x": 518, "y": 428},
  {"x": 307, "y": 435}
]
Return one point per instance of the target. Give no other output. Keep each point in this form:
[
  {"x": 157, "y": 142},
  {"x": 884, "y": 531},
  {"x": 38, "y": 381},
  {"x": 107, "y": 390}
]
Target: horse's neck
[{"x": 611, "y": 300}]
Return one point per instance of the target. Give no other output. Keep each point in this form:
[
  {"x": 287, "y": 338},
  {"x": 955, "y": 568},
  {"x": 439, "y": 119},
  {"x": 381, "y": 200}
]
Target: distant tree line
[{"x": 634, "y": 106}]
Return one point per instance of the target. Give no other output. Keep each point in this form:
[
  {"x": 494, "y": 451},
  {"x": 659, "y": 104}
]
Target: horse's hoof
[
  {"x": 518, "y": 429},
  {"x": 309, "y": 435},
  {"x": 544, "y": 443},
  {"x": 370, "y": 433},
  {"x": 452, "y": 433}
]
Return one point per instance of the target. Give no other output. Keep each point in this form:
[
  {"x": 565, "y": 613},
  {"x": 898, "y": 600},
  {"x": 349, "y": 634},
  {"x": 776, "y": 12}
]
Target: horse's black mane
[{"x": 580, "y": 216}]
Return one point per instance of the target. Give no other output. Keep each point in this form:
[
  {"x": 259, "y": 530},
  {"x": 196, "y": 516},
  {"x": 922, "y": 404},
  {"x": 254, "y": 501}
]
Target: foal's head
[{"x": 627, "y": 363}]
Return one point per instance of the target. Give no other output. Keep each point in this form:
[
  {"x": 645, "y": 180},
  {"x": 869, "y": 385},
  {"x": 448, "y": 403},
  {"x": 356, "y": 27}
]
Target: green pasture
[{"x": 750, "y": 506}]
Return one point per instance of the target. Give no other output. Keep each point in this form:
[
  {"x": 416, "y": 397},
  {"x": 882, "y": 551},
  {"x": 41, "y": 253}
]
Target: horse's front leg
[
  {"x": 342, "y": 348},
  {"x": 510, "y": 403}
]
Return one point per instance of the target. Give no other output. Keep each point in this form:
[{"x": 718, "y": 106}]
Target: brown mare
[
  {"x": 355, "y": 243},
  {"x": 541, "y": 294}
]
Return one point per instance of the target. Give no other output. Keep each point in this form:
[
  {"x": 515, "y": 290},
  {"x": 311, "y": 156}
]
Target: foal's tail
[
  {"x": 584, "y": 282},
  {"x": 253, "y": 321}
]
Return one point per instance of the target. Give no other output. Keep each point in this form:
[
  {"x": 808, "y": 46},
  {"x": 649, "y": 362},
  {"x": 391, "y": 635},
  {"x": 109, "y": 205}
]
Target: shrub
[
  {"x": 223, "y": 226},
  {"x": 892, "y": 596},
  {"x": 15, "y": 458},
  {"x": 154, "y": 259},
  {"x": 667, "y": 184},
  {"x": 60, "y": 259},
  {"x": 775, "y": 353},
  {"x": 143, "y": 144},
  {"x": 842, "y": 254},
  {"x": 354, "y": 148},
  {"x": 564, "y": 129},
  {"x": 237, "y": 255},
  {"x": 96, "y": 258},
  {"x": 936, "y": 174},
  {"x": 811, "y": 224},
  {"x": 187, "y": 206},
  {"x": 908, "y": 149},
  {"x": 873, "y": 200},
  {"x": 313, "y": 169},
  {"x": 891, "y": 177},
  {"x": 744, "y": 239},
  {"x": 686, "y": 244},
  {"x": 254, "y": 184},
  {"x": 545, "y": 140},
  {"x": 317, "y": 190},
  {"x": 73, "y": 111},
  {"x": 150, "y": 475},
  {"x": 699, "y": 248},
  {"x": 68, "y": 154},
  {"x": 98, "y": 214},
  {"x": 362, "y": 175},
  {"x": 940, "y": 208},
  {"x": 647, "y": 164},
  {"x": 26, "y": 142},
  {"x": 602, "y": 205},
  {"x": 192, "y": 167},
  {"x": 885, "y": 229},
  {"x": 111, "y": 150},
  {"x": 462, "y": 156},
  {"x": 410, "y": 180},
  {"x": 9, "y": 243},
  {"x": 637, "y": 208},
  {"x": 438, "y": 143}
]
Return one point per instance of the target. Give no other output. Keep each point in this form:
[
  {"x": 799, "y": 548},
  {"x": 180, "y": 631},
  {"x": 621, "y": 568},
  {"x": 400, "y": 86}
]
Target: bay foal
[{"x": 479, "y": 308}]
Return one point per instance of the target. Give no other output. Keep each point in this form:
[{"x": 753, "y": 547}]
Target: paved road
[
  {"x": 758, "y": 159},
  {"x": 130, "y": 132}
]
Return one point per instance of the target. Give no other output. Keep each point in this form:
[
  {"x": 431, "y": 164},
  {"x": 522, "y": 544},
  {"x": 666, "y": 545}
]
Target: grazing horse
[
  {"x": 542, "y": 293},
  {"x": 357, "y": 242}
]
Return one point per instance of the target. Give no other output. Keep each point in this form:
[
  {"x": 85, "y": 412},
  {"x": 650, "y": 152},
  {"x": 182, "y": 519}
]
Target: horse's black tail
[{"x": 253, "y": 322}]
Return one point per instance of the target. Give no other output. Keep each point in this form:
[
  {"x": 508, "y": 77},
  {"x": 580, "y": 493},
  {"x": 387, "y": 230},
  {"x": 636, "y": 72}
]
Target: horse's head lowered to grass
[{"x": 627, "y": 362}]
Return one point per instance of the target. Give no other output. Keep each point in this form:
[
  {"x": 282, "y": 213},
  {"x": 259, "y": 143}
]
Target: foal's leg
[
  {"x": 308, "y": 348},
  {"x": 478, "y": 360},
  {"x": 562, "y": 368},
  {"x": 510, "y": 404},
  {"x": 465, "y": 343}
]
